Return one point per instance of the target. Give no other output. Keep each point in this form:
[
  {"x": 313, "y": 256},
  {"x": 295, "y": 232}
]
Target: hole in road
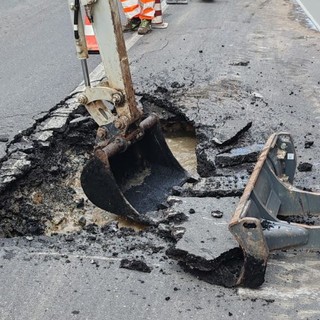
[
  {"x": 181, "y": 139},
  {"x": 49, "y": 198}
]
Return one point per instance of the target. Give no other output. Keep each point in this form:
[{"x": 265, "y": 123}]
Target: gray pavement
[{"x": 38, "y": 62}]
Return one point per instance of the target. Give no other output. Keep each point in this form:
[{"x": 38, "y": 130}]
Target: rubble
[
  {"x": 202, "y": 251},
  {"x": 305, "y": 167},
  {"x": 4, "y": 138},
  {"x": 238, "y": 156},
  {"x": 217, "y": 186},
  {"x": 137, "y": 265},
  {"x": 220, "y": 109},
  {"x": 230, "y": 131}
]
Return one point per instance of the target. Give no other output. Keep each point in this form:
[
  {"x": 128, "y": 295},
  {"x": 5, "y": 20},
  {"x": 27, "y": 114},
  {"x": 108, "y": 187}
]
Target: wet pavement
[{"x": 243, "y": 62}]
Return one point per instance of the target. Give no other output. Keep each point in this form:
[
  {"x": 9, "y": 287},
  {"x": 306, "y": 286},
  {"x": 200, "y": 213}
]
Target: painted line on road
[
  {"x": 315, "y": 23},
  {"x": 78, "y": 256},
  {"x": 62, "y": 255}
]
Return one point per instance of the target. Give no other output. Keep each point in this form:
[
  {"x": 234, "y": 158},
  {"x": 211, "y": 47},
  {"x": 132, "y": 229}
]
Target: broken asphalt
[{"x": 242, "y": 67}]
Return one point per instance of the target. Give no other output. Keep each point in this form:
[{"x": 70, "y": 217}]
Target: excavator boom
[{"x": 132, "y": 170}]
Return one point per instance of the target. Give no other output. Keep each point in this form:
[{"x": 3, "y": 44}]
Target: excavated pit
[
  {"x": 48, "y": 198},
  {"x": 45, "y": 196}
]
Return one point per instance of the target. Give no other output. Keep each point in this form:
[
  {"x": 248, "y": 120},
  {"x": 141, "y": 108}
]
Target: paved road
[
  {"x": 37, "y": 57},
  {"x": 223, "y": 51}
]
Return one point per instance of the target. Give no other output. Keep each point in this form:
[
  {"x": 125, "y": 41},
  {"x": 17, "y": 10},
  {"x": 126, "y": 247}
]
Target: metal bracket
[
  {"x": 91, "y": 94},
  {"x": 106, "y": 24},
  {"x": 269, "y": 195}
]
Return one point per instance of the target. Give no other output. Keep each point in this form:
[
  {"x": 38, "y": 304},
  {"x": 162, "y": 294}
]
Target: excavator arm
[{"x": 132, "y": 170}]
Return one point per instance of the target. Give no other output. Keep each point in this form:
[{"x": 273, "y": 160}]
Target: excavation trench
[{"x": 49, "y": 198}]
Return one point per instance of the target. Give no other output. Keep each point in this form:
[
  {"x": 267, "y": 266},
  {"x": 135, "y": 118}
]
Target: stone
[
  {"x": 304, "y": 167},
  {"x": 308, "y": 144},
  {"x": 56, "y": 123},
  {"x": 205, "y": 236},
  {"x": 43, "y": 136},
  {"x": 21, "y": 146},
  {"x": 4, "y": 138},
  {"x": 230, "y": 131},
  {"x": 15, "y": 167},
  {"x": 133, "y": 264},
  {"x": 236, "y": 156},
  {"x": 220, "y": 186}
]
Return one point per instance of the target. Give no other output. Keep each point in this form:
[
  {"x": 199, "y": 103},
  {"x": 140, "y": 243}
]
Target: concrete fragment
[
  {"x": 238, "y": 156},
  {"x": 2, "y": 150},
  {"x": 230, "y": 131},
  {"x": 43, "y": 136},
  {"x": 79, "y": 120},
  {"x": 133, "y": 264},
  {"x": 21, "y": 146},
  {"x": 207, "y": 249},
  {"x": 305, "y": 167},
  {"x": 206, "y": 160},
  {"x": 15, "y": 167},
  {"x": 56, "y": 123},
  {"x": 62, "y": 111},
  {"x": 206, "y": 237},
  {"x": 4, "y": 138}
]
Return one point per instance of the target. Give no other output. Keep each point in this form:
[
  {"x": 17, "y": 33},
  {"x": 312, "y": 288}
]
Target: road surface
[
  {"x": 218, "y": 60},
  {"x": 38, "y": 62}
]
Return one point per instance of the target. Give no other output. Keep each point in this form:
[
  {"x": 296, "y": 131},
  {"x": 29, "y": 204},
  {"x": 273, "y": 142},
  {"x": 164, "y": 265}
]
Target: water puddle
[{"x": 183, "y": 146}]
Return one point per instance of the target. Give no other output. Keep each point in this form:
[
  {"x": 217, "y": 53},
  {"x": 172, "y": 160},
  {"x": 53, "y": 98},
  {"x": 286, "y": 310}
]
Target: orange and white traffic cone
[
  {"x": 157, "y": 21},
  {"x": 91, "y": 40}
]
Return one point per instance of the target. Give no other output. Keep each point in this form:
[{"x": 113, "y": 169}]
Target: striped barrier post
[
  {"x": 92, "y": 44},
  {"x": 157, "y": 21}
]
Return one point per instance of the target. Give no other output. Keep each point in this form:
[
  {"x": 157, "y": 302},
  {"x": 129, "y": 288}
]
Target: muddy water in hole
[{"x": 182, "y": 145}]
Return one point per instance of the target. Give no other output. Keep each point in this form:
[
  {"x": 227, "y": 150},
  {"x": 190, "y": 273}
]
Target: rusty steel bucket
[{"x": 133, "y": 175}]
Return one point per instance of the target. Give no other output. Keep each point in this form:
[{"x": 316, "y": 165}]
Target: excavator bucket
[
  {"x": 273, "y": 214},
  {"x": 131, "y": 178}
]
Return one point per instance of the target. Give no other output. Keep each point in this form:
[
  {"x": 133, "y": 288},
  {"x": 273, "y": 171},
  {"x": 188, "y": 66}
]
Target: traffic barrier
[
  {"x": 91, "y": 40},
  {"x": 157, "y": 21}
]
